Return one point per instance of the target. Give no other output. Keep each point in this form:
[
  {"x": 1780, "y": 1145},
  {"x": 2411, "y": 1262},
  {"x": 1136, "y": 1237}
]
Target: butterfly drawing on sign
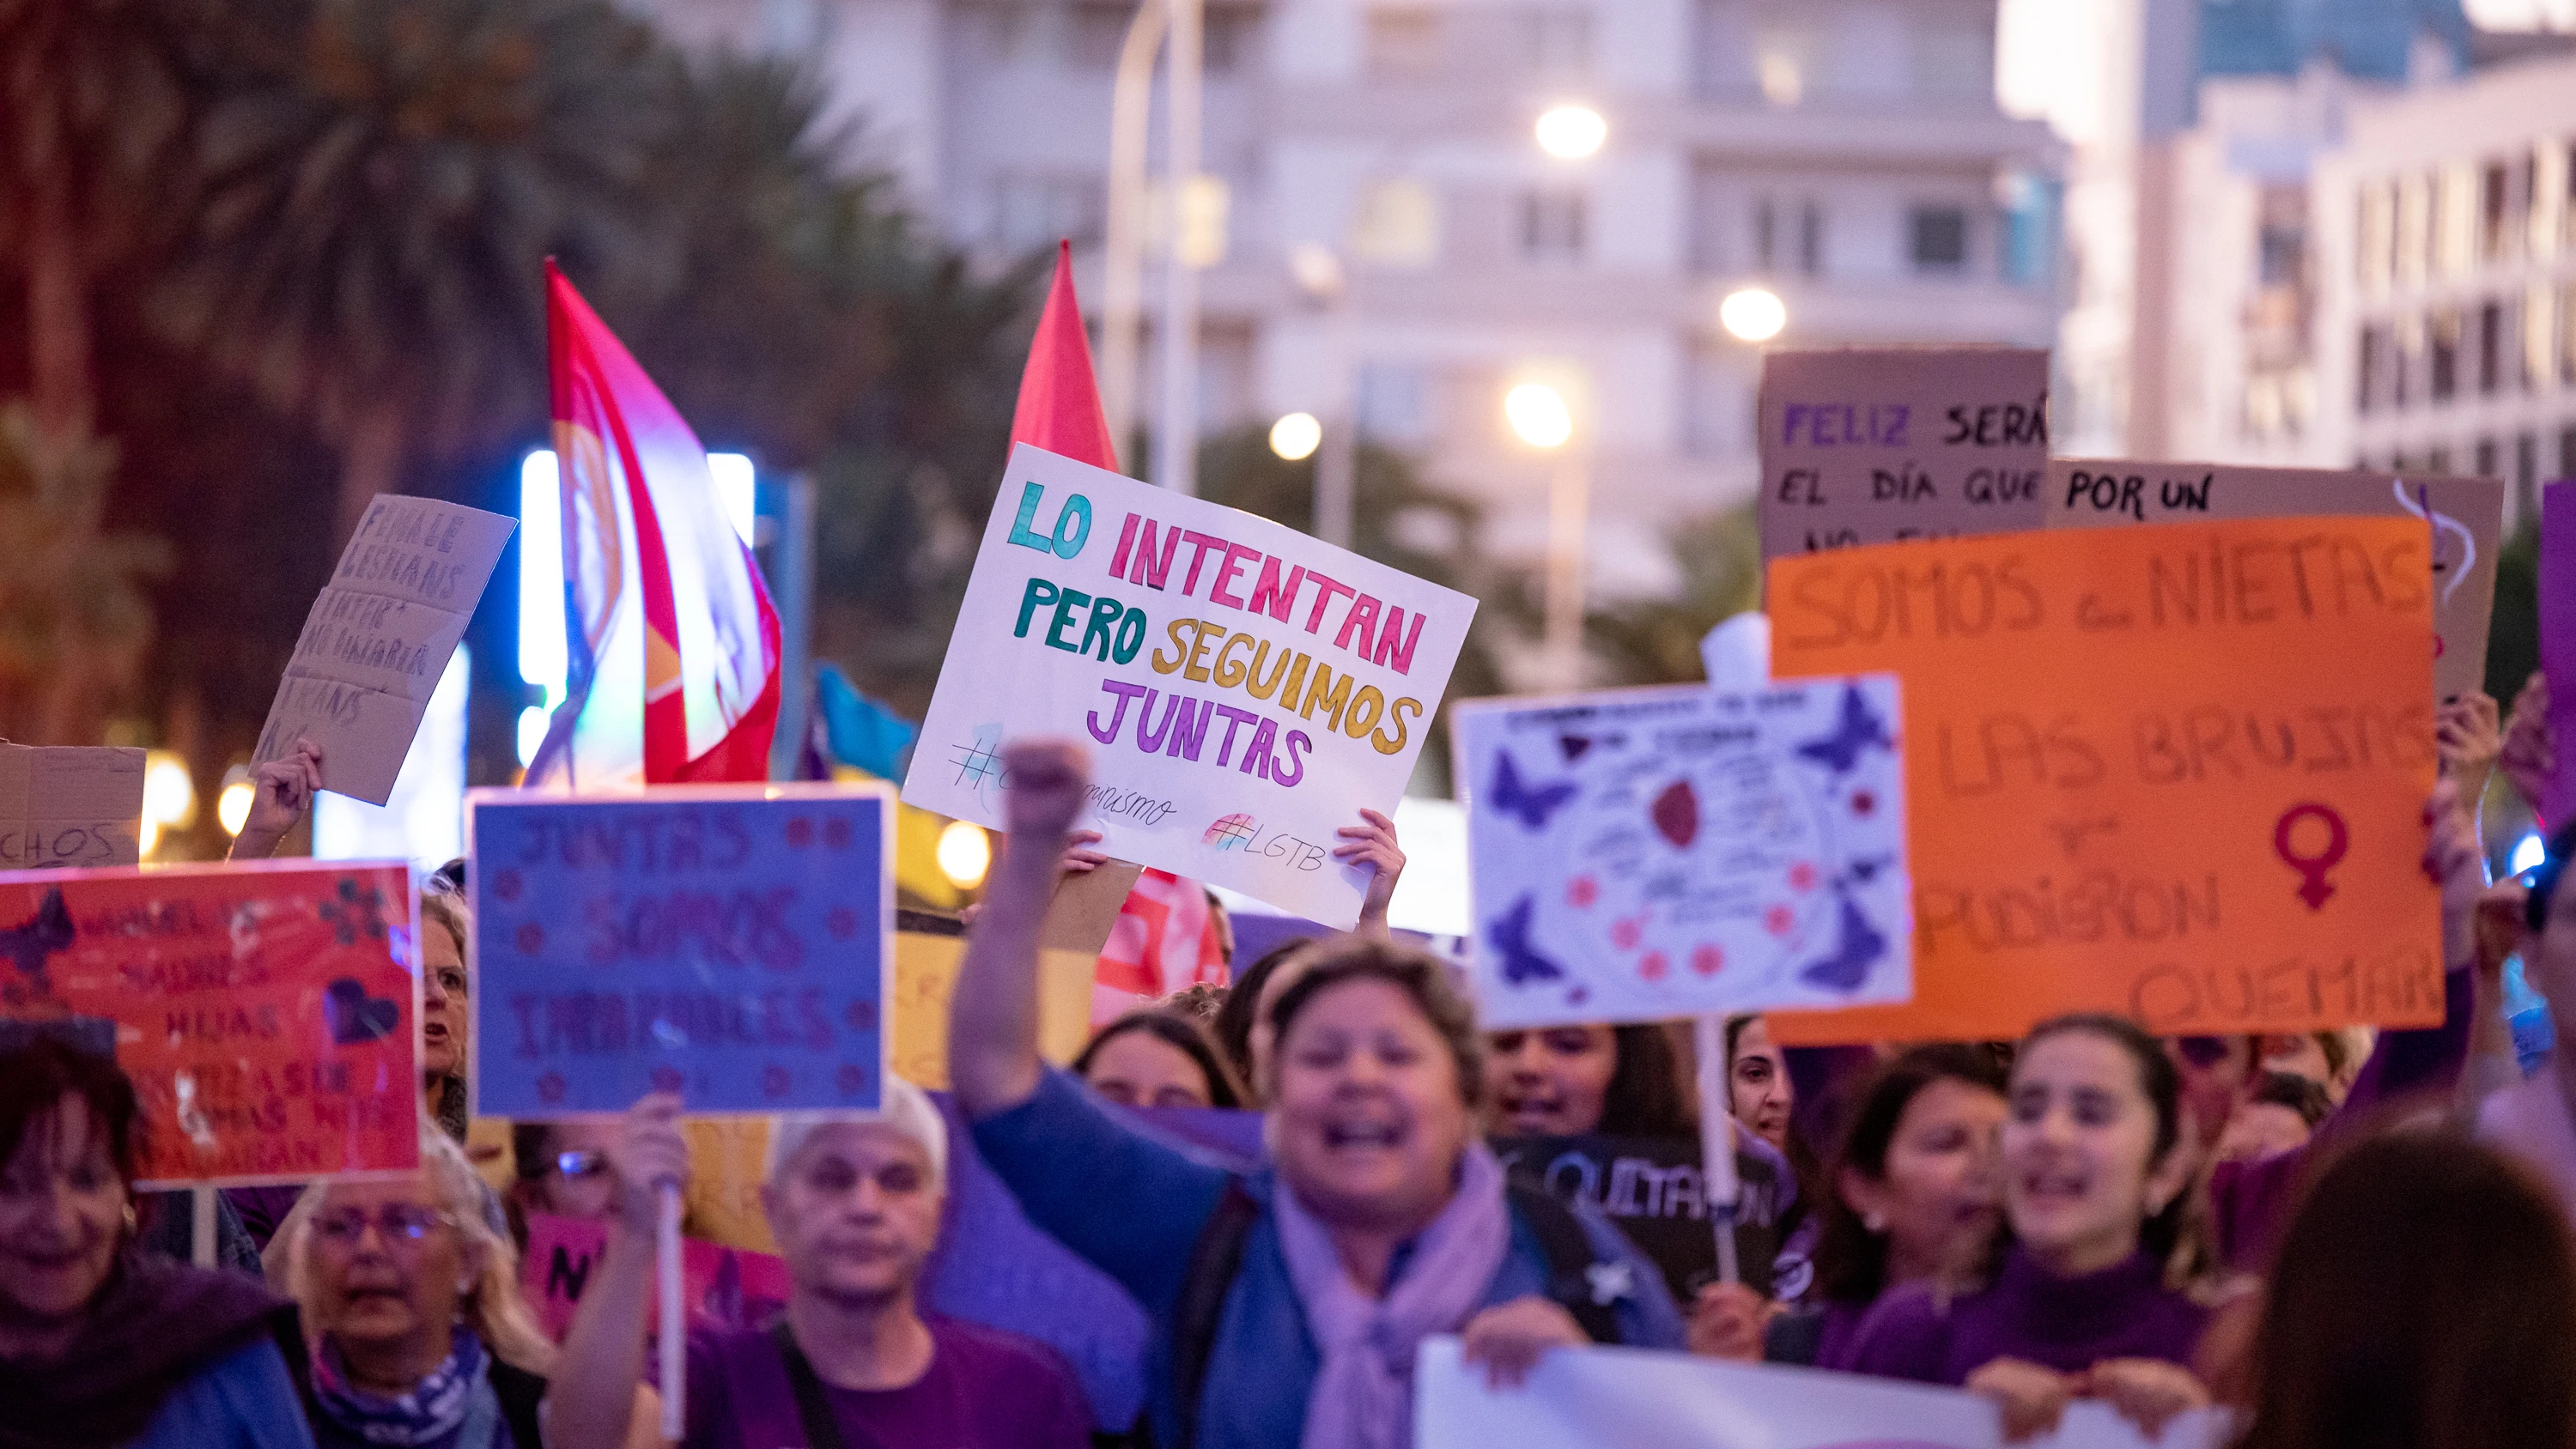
[
  {"x": 1521, "y": 962},
  {"x": 1531, "y": 805},
  {"x": 1857, "y": 730},
  {"x": 1858, "y": 945},
  {"x": 32, "y": 942}
]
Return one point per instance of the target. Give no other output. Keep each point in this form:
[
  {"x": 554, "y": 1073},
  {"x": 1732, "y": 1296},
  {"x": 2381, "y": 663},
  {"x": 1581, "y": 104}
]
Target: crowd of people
[{"x": 2345, "y": 1237}]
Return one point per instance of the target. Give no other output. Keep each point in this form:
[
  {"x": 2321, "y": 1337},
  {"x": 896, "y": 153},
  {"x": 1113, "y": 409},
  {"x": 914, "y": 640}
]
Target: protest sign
[
  {"x": 1883, "y": 444},
  {"x": 727, "y": 942},
  {"x": 70, "y": 806},
  {"x": 378, "y": 639},
  {"x": 267, "y": 1013},
  {"x": 2557, "y": 583},
  {"x": 1652, "y": 1189},
  {"x": 1645, "y": 854},
  {"x": 2175, "y": 773},
  {"x": 1244, "y": 689},
  {"x": 2465, "y": 514},
  {"x": 1577, "y": 1398},
  {"x": 724, "y": 1287},
  {"x": 925, "y": 976}
]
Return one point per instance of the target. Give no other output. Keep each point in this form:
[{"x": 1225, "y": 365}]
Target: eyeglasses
[
  {"x": 580, "y": 1163},
  {"x": 400, "y": 1225}
]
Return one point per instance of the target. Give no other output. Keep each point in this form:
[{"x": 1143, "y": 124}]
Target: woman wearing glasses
[{"x": 420, "y": 1337}]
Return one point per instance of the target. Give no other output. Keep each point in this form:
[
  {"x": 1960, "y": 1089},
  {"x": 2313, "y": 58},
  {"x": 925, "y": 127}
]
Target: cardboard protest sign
[
  {"x": 2557, "y": 580},
  {"x": 2175, "y": 773},
  {"x": 1878, "y": 445},
  {"x": 1577, "y": 1398},
  {"x": 1645, "y": 854},
  {"x": 70, "y": 806},
  {"x": 724, "y": 1287},
  {"x": 727, "y": 942},
  {"x": 267, "y": 1013},
  {"x": 379, "y": 637},
  {"x": 2466, "y": 516},
  {"x": 1652, "y": 1189},
  {"x": 1244, "y": 689},
  {"x": 925, "y": 976}
]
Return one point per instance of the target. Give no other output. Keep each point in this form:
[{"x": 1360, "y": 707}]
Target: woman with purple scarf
[{"x": 1287, "y": 1306}]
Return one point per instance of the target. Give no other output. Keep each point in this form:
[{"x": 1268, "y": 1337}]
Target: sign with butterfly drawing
[
  {"x": 1645, "y": 854},
  {"x": 267, "y": 1012}
]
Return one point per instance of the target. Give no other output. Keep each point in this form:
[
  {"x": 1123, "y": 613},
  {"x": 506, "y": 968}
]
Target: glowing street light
[
  {"x": 1571, "y": 132},
  {"x": 1752, "y": 314},
  {"x": 232, "y": 807},
  {"x": 1296, "y": 436},
  {"x": 964, "y": 854},
  {"x": 1538, "y": 415}
]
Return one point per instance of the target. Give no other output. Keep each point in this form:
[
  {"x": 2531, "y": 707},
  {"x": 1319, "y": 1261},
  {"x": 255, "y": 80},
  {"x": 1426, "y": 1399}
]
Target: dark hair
[
  {"x": 531, "y": 1150},
  {"x": 1178, "y": 1032},
  {"x": 2422, "y": 1296},
  {"x": 36, "y": 1077},
  {"x": 1416, "y": 973},
  {"x": 2545, "y": 877},
  {"x": 1234, "y": 1019},
  {"x": 1644, "y": 1097},
  {"x": 2302, "y": 1095},
  {"x": 1851, "y": 1261},
  {"x": 1199, "y": 1001},
  {"x": 2162, "y": 1083}
]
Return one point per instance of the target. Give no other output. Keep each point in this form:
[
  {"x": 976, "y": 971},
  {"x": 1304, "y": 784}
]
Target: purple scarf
[
  {"x": 1363, "y": 1398},
  {"x": 432, "y": 1414}
]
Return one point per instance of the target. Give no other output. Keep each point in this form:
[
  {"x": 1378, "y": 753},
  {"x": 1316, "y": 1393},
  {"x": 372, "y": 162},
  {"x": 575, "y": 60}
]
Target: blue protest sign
[{"x": 730, "y": 943}]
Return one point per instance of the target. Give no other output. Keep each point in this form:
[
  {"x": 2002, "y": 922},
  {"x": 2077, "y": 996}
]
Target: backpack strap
[
  {"x": 1214, "y": 1261},
  {"x": 813, "y": 1410},
  {"x": 1570, "y": 1262}
]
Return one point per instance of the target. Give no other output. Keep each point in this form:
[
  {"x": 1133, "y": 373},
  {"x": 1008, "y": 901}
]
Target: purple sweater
[{"x": 2066, "y": 1324}]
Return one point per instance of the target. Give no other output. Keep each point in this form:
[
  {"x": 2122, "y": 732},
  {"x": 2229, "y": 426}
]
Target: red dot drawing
[
  {"x": 852, "y": 1080},
  {"x": 550, "y": 1088},
  {"x": 1626, "y": 934},
  {"x": 1707, "y": 960},
  {"x": 1778, "y": 919},
  {"x": 1583, "y": 892},
  {"x": 530, "y": 939},
  {"x": 1653, "y": 966},
  {"x": 862, "y": 1016},
  {"x": 774, "y": 1081},
  {"x": 836, "y": 833},
  {"x": 843, "y": 922},
  {"x": 1802, "y": 876},
  {"x": 668, "y": 1079},
  {"x": 507, "y": 884},
  {"x": 800, "y": 832},
  {"x": 1578, "y": 995},
  {"x": 1863, "y": 802}
]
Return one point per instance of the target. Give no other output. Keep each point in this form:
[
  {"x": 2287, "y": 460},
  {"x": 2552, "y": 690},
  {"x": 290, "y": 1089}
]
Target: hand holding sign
[{"x": 281, "y": 791}]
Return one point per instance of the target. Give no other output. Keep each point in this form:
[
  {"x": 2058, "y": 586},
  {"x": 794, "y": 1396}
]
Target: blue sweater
[
  {"x": 1135, "y": 1207},
  {"x": 244, "y": 1400}
]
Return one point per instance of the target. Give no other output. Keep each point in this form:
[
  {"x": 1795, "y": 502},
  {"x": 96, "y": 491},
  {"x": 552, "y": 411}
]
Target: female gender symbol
[{"x": 2314, "y": 888}]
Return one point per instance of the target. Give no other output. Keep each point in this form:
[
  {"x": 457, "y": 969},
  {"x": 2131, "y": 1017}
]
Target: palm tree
[
  {"x": 93, "y": 115},
  {"x": 380, "y": 184},
  {"x": 1656, "y": 641},
  {"x": 75, "y": 621}
]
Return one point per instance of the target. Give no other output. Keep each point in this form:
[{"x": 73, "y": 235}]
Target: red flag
[{"x": 1059, "y": 407}]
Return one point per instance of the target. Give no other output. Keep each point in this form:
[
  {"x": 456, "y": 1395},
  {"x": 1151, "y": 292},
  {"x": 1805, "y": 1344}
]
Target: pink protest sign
[{"x": 724, "y": 1287}]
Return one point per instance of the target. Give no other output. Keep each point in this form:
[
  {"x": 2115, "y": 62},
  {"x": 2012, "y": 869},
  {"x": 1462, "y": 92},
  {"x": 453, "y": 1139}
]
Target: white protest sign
[
  {"x": 1645, "y": 854},
  {"x": 1244, "y": 689},
  {"x": 70, "y": 805},
  {"x": 1868, "y": 445},
  {"x": 1577, "y": 1398},
  {"x": 379, "y": 637}
]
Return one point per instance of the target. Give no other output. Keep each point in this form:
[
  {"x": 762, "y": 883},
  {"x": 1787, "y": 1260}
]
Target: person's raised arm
[
  {"x": 2468, "y": 740},
  {"x": 993, "y": 1061},
  {"x": 1372, "y": 843},
  {"x": 591, "y": 1399},
  {"x": 2529, "y": 754},
  {"x": 281, "y": 791}
]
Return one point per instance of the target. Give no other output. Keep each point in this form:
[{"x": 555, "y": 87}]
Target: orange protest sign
[
  {"x": 2176, "y": 773},
  {"x": 267, "y": 1013}
]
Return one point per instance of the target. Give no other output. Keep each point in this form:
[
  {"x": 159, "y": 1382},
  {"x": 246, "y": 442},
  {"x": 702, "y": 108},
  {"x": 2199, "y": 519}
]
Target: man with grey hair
[{"x": 854, "y": 1201}]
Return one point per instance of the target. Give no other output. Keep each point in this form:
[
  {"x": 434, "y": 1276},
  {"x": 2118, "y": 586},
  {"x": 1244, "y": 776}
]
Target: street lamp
[
  {"x": 1541, "y": 418},
  {"x": 1295, "y": 436},
  {"x": 1752, "y": 314},
  {"x": 1571, "y": 132}
]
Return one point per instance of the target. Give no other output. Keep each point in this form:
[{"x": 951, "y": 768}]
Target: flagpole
[
  {"x": 1122, "y": 283},
  {"x": 1176, "y": 464}
]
